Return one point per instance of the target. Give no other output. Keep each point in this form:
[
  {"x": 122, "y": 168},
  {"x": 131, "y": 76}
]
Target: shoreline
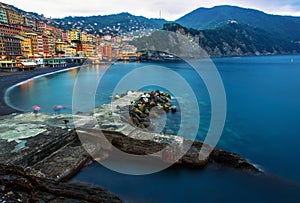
[
  {"x": 8, "y": 81},
  {"x": 46, "y": 148}
]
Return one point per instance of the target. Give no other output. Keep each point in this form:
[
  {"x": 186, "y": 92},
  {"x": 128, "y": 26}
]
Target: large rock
[
  {"x": 55, "y": 152},
  {"x": 17, "y": 186},
  {"x": 192, "y": 158}
]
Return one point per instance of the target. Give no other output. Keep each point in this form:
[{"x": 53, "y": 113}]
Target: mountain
[
  {"x": 116, "y": 23},
  {"x": 231, "y": 39},
  {"x": 238, "y": 40},
  {"x": 208, "y": 18}
]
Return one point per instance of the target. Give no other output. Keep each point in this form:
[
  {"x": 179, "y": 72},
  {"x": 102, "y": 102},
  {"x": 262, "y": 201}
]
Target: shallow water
[{"x": 262, "y": 125}]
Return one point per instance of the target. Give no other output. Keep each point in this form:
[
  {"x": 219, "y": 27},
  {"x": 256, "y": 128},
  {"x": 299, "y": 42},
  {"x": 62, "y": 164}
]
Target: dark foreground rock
[
  {"x": 17, "y": 186},
  {"x": 42, "y": 145}
]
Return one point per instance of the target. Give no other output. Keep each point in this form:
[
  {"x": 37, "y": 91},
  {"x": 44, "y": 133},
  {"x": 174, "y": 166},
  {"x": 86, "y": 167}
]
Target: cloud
[{"x": 171, "y": 9}]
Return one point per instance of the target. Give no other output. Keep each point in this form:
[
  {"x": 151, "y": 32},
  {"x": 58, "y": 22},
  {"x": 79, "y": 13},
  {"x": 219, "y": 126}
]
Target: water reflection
[
  {"x": 73, "y": 73},
  {"x": 27, "y": 87}
]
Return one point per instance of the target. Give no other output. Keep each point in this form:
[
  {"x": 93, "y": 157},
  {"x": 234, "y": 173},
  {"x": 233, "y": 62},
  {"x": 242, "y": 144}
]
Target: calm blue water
[{"x": 262, "y": 125}]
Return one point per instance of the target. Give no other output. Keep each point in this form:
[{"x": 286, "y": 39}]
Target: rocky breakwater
[
  {"x": 126, "y": 123},
  {"x": 140, "y": 109},
  {"x": 37, "y": 154}
]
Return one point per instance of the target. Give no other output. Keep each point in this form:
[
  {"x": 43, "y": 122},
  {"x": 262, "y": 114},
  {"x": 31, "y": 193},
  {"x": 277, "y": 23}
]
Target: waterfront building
[
  {"x": 91, "y": 38},
  {"x": 98, "y": 48},
  {"x": 78, "y": 46},
  {"x": 40, "y": 44},
  {"x": 30, "y": 21},
  {"x": 56, "y": 32},
  {"x": 14, "y": 17},
  {"x": 128, "y": 49},
  {"x": 27, "y": 65},
  {"x": 24, "y": 28},
  {"x": 70, "y": 51},
  {"x": 60, "y": 47},
  {"x": 74, "y": 35},
  {"x": 55, "y": 62},
  {"x": 9, "y": 66},
  {"x": 87, "y": 49},
  {"x": 10, "y": 47},
  {"x": 34, "y": 43},
  {"x": 48, "y": 45},
  {"x": 25, "y": 45},
  {"x": 42, "y": 26},
  {"x": 65, "y": 36},
  {"x": 49, "y": 29},
  {"x": 107, "y": 51},
  {"x": 9, "y": 30},
  {"x": 3, "y": 15},
  {"x": 84, "y": 36},
  {"x": 117, "y": 53},
  {"x": 2, "y": 48}
]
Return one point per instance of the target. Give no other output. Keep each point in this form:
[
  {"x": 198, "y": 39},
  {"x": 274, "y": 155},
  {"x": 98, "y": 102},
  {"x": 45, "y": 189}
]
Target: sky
[{"x": 170, "y": 9}]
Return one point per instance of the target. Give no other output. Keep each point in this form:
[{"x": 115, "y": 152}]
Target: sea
[{"x": 262, "y": 123}]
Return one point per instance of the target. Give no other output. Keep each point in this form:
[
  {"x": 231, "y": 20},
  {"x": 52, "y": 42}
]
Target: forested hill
[
  {"x": 210, "y": 18},
  {"x": 110, "y": 24},
  {"x": 234, "y": 39}
]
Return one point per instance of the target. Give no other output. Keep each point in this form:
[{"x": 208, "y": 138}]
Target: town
[{"x": 28, "y": 41}]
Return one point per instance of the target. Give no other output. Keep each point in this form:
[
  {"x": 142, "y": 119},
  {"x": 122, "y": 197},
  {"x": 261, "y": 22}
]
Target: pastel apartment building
[{"x": 24, "y": 35}]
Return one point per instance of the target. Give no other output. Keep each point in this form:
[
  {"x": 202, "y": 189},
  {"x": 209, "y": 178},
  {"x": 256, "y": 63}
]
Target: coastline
[
  {"x": 7, "y": 81},
  {"x": 47, "y": 162}
]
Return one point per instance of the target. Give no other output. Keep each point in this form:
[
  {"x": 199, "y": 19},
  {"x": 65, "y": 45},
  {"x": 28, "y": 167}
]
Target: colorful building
[
  {"x": 48, "y": 45},
  {"x": 75, "y": 35},
  {"x": 37, "y": 37},
  {"x": 10, "y": 47},
  {"x": 24, "y": 28},
  {"x": 40, "y": 44},
  {"x": 91, "y": 38},
  {"x": 107, "y": 51},
  {"x": 25, "y": 45},
  {"x": 9, "y": 30},
  {"x": 70, "y": 51},
  {"x": 14, "y": 17},
  {"x": 65, "y": 36},
  {"x": 34, "y": 43},
  {"x": 3, "y": 15},
  {"x": 30, "y": 21},
  {"x": 60, "y": 48},
  {"x": 9, "y": 65},
  {"x": 87, "y": 49},
  {"x": 84, "y": 37}
]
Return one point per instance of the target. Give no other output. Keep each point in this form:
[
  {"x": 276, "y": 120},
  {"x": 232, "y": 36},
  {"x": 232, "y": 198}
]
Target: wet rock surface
[
  {"x": 110, "y": 121},
  {"x": 169, "y": 153},
  {"x": 42, "y": 149},
  {"x": 74, "y": 156},
  {"x": 17, "y": 186},
  {"x": 39, "y": 143}
]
